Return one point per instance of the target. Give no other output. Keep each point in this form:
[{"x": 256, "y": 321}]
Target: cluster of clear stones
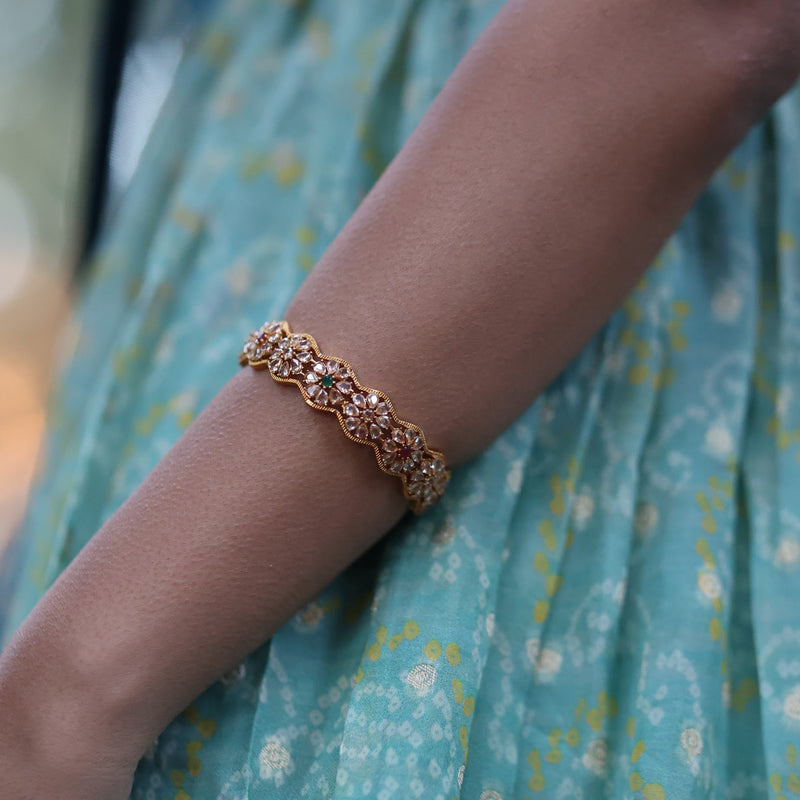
[
  {"x": 328, "y": 383},
  {"x": 290, "y": 356},
  {"x": 260, "y": 343},
  {"x": 427, "y": 483},
  {"x": 403, "y": 450},
  {"x": 366, "y": 415}
]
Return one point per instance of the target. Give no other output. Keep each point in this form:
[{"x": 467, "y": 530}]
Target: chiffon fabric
[{"x": 606, "y": 601}]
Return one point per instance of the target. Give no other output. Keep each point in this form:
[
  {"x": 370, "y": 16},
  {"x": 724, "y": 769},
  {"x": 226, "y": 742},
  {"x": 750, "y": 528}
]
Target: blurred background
[{"x": 81, "y": 82}]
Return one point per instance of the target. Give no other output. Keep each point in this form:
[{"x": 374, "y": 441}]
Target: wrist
[{"x": 57, "y": 719}]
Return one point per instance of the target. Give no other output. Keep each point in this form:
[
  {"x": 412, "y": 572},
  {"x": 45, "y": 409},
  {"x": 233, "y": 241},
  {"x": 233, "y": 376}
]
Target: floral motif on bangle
[
  {"x": 290, "y": 355},
  {"x": 328, "y": 383},
  {"x": 403, "y": 450},
  {"x": 366, "y": 416},
  {"x": 261, "y": 343},
  {"x": 427, "y": 483}
]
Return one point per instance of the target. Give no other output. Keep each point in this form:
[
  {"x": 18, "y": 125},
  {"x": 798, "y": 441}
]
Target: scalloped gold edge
[{"x": 429, "y": 453}]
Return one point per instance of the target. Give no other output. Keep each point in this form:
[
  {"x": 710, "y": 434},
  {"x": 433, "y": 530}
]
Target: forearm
[
  {"x": 561, "y": 154},
  {"x": 544, "y": 178},
  {"x": 254, "y": 510}
]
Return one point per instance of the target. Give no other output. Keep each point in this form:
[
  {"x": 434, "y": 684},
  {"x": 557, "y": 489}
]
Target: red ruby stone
[{"x": 404, "y": 451}]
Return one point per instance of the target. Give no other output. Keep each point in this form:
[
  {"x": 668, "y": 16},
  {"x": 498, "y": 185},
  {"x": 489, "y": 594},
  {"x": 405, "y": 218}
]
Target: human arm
[{"x": 542, "y": 181}]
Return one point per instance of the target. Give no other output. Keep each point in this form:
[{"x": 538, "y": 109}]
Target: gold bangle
[{"x": 365, "y": 415}]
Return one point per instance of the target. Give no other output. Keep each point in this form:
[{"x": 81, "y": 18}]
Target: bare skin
[{"x": 555, "y": 162}]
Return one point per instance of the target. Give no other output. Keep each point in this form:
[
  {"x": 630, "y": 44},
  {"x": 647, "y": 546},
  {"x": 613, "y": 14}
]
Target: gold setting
[{"x": 365, "y": 415}]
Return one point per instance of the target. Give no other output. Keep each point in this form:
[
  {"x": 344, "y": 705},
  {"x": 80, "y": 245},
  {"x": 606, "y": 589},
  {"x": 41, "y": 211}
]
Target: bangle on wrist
[{"x": 365, "y": 415}]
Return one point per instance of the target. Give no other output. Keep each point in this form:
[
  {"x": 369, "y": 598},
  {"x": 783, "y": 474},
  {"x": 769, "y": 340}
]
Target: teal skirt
[{"x": 605, "y": 603}]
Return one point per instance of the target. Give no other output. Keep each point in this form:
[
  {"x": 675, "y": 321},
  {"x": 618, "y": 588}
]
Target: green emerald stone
[{"x": 327, "y": 381}]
